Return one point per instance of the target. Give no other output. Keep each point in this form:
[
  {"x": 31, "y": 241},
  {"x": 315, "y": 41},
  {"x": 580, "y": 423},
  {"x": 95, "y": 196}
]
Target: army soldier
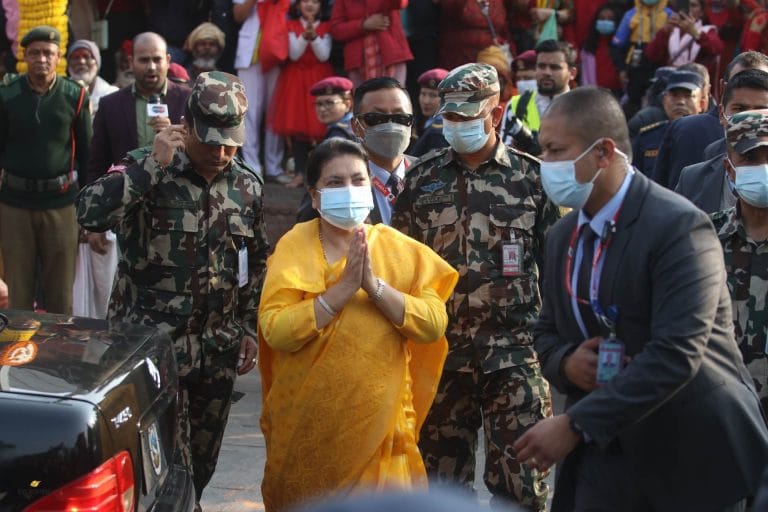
[
  {"x": 188, "y": 216},
  {"x": 743, "y": 231},
  {"x": 481, "y": 206},
  {"x": 45, "y": 130}
]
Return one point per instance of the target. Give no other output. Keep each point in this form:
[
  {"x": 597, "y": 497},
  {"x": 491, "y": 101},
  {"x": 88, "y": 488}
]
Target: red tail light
[{"x": 108, "y": 488}]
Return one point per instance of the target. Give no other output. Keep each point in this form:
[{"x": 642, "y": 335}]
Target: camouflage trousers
[
  {"x": 205, "y": 399},
  {"x": 506, "y": 403},
  {"x": 758, "y": 368}
]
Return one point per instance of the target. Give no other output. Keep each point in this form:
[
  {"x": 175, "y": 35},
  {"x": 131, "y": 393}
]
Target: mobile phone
[{"x": 683, "y": 6}]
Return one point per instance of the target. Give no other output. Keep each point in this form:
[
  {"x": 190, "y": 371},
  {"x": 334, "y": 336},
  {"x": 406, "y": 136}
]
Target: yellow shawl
[{"x": 342, "y": 407}]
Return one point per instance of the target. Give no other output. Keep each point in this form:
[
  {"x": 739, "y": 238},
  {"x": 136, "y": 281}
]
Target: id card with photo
[{"x": 610, "y": 360}]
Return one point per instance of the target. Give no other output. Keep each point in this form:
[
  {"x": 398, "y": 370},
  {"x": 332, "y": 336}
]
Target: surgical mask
[
  {"x": 752, "y": 184},
  {"x": 650, "y": 2},
  {"x": 466, "y": 137},
  {"x": 526, "y": 85},
  {"x": 559, "y": 180},
  {"x": 605, "y": 27},
  {"x": 387, "y": 140},
  {"x": 346, "y": 207}
]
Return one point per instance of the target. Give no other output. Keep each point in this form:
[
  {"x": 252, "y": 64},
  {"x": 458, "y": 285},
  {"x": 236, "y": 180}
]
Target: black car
[{"x": 87, "y": 417}]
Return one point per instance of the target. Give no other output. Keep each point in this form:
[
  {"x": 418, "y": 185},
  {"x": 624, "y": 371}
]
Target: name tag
[
  {"x": 511, "y": 254},
  {"x": 610, "y": 360},
  {"x": 242, "y": 267},
  {"x": 435, "y": 199}
]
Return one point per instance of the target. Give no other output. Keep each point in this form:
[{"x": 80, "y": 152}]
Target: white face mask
[
  {"x": 526, "y": 85},
  {"x": 466, "y": 137},
  {"x": 345, "y": 207},
  {"x": 559, "y": 180}
]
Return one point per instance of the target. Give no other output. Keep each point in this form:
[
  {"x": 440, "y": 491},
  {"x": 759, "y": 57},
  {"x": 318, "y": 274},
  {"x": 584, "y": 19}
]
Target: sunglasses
[{"x": 374, "y": 118}]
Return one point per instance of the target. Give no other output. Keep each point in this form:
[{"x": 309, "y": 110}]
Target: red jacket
[
  {"x": 347, "y": 26},
  {"x": 711, "y": 45}
]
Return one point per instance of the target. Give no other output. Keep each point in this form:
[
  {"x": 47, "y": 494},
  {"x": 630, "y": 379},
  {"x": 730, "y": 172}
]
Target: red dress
[{"x": 293, "y": 111}]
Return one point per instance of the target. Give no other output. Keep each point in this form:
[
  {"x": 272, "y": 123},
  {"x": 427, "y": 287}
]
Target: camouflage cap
[
  {"x": 44, "y": 33},
  {"x": 747, "y": 130},
  {"x": 218, "y": 104},
  {"x": 466, "y": 89}
]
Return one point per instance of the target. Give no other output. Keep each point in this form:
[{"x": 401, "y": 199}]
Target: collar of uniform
[
  {"x": 53, "y": 83},
  {"x": 609, "y": 209},
  {"x": 732, "y": 225},
  {"x": 384, "y": 174},
  {"x": 163, "y": 90},
  {"x": 500, "y": 156}
]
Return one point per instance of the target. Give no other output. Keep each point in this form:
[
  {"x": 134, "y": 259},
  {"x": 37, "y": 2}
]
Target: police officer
[
  {"x": 683, "y": 96},
  {"x": 429, "y": 100},
  {"x": 333, "y": 105},
  {"x": 45, "y": 131},
  {"x": 481, "y": 206},
  {"x": 189, "y": 219}
]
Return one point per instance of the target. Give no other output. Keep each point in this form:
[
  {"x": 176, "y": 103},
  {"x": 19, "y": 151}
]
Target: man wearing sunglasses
[
  {"x": 481, "y": 206},
  {"x": 383, "y": 117}
]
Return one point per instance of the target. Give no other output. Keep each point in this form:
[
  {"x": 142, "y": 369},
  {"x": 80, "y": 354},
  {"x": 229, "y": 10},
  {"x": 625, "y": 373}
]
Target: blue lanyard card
[{"x": 610, "y": 360}]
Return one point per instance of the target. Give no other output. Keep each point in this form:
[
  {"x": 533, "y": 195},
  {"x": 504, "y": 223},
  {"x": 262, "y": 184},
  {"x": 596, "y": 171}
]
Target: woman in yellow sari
[{"x": 352, "y": 322}]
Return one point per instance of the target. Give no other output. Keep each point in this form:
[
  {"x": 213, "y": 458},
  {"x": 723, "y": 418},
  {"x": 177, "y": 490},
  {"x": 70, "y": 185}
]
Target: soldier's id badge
[
  {"x": 610, "y": 360},
  {"x": 242, "y": 267},
  {"x": 511, "y": 258}
]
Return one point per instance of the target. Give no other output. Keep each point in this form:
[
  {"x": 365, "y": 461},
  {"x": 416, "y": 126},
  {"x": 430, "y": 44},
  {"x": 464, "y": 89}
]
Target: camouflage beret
[
  {"x": 331, "y": 85},
  {"x": 44, "y": 33},
  {"x": 218, "y": 104},
  {"x": 432, "y": 78},
  {"x": 747, "y": 130},
  {"x": 466, "y": 89}
]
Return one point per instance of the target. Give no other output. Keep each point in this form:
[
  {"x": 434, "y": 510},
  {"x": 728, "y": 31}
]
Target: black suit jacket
[
  {"x": 684, "y": 144},
  {"x": 114, "y": 126},
  {"x": 702, "y": 184},
  {"x": 684, "y": 412}
]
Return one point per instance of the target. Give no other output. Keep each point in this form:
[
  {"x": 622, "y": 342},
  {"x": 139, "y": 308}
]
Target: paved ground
[{"x": 236, "y": 484}]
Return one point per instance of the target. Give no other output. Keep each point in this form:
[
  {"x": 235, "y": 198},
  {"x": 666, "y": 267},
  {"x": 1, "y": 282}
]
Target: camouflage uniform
[
  {"x": 179, "y": 238},
  {"x": 492, "y": 375},
  {"x": 746, "y": 261}
]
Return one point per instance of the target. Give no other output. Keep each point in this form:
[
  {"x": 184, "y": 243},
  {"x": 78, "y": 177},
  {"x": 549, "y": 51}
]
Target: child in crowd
[{"x": 293, "y": 112}]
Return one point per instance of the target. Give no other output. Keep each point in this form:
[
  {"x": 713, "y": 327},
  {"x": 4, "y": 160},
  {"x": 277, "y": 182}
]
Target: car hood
[{"x": 68, "y": 357}]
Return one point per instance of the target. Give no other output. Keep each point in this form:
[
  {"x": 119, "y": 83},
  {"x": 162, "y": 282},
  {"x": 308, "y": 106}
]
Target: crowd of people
[{"x": 500, "y": 197}]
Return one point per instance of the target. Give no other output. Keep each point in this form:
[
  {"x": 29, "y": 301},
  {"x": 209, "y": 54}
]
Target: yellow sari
[{"x": 342, "y": 406}]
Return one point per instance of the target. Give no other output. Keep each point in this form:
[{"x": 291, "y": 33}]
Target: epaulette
[
  {"x": 247, "y": 168},
  {"x": 523, "y": 154},
  {"x": 429, "y": 155},
  {"x": 137, "y": 154},
  {"x": 651, "y": 126},
  {"x": 437, "y": 125},
  {"x": 10, "y": 78}
]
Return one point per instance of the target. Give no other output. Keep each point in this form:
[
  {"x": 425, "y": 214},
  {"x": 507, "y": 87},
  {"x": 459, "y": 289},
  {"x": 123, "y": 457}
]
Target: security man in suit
[
  {"x": 636, "y": 330},
  {"x": 683, "y": 96},
  {"x": 429, "y": 100}
]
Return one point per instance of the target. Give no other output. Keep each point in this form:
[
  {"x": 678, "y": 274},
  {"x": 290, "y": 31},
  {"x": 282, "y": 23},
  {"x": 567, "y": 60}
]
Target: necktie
[
  {"x": 395, "y": 184},
  {"x": 585, "y": 276}
]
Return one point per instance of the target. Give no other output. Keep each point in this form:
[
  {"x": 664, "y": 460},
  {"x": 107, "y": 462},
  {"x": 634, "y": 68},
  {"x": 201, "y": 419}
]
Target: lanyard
[
  {"x": 384, "y": 190},
  {"x": 609, "y": 319}
]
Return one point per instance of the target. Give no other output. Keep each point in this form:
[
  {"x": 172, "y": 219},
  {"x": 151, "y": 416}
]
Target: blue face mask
[
  {"x": 559, "y": 180},
  {"x": 345, "y": 207},
  {"x": 605, "y": 27},
  {"x": 649, "y": 2},
  {"x": 752, "y": 184},
  {"x": 465, "y": 137}
]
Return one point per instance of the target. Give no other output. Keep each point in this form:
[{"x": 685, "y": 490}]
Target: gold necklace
[{"x": 322, "y": 245}]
